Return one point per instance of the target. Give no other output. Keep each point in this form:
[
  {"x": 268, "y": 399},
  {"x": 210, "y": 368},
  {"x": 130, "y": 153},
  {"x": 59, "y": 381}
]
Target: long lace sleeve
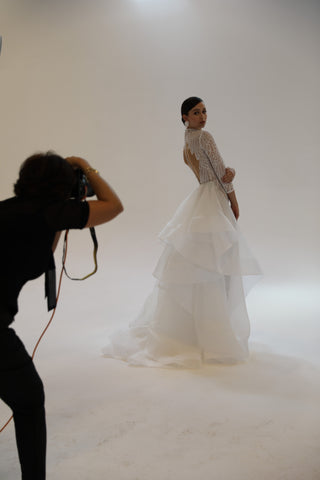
[{"x": 210, "y": 148}]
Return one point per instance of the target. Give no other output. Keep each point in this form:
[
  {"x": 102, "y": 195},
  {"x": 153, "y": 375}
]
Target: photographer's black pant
[{"x": 21, "y": 388}]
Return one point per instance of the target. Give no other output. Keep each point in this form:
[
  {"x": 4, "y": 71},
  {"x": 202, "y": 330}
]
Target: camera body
[{"x": 81, "y": 187}]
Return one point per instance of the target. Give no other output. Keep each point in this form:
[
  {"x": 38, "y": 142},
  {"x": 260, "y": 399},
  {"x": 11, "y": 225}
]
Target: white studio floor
[{"x": 105, "y": 419}]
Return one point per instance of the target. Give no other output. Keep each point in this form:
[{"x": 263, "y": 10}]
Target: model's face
[{"x": 197, "y": 116}]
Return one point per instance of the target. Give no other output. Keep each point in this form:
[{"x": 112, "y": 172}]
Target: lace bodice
[{"x": 202, "y": 156}]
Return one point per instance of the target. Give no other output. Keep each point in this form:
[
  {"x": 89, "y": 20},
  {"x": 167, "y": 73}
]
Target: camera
[{"x": 81, "y": 187}]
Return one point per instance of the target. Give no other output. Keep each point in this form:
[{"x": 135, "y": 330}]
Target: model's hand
[{"x": 229, "y": 175}]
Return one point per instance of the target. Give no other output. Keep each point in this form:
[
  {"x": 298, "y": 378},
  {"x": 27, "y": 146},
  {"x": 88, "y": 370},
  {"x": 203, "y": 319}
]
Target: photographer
[{"x": 31, "y": 225}]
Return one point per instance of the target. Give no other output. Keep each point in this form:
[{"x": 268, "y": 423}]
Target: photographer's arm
[{"x": 108, "y": 205}]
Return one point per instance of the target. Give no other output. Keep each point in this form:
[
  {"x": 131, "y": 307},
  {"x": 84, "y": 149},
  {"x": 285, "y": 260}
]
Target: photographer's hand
[
  {"x": 78, "y": 162},
  {"x": 108, "y": 205}
]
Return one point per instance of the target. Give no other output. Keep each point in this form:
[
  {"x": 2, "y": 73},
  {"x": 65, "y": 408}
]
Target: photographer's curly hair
[{"x": 45, "y": 176}]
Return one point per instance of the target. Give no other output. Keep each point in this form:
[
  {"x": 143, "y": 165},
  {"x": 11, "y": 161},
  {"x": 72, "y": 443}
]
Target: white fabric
[{"x": 196, "y": 312}]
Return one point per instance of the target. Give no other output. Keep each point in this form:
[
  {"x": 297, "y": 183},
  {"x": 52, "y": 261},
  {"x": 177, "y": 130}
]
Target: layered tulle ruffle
[{"x": 196, "y": 312}]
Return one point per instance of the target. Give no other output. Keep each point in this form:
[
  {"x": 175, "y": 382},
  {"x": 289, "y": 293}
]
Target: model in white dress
[{"x": 196, "y": 312}]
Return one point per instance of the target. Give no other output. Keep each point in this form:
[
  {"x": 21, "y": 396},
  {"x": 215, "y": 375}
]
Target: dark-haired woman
[
  {"x": 196, "y": 313},
  {"x": 31, "y": 223}
]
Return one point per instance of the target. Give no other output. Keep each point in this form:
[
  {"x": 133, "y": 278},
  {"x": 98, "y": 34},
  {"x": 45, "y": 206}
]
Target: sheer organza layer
[{"x": 196, "y": 312}]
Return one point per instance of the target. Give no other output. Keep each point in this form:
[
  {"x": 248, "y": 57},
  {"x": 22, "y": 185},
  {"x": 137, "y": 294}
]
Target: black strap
[{"x": 50, "y": 284}]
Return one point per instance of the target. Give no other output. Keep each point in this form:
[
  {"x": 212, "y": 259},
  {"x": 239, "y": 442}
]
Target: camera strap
[
  {"x": 95, "y": 249},
  {"x": 50, "y": 284}
]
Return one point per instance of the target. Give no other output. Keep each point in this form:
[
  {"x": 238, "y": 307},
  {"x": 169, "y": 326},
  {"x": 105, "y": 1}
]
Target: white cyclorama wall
[{"x": 105, "y": 80}]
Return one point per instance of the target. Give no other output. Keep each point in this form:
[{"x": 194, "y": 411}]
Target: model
[{"x": 196, "y": 313}]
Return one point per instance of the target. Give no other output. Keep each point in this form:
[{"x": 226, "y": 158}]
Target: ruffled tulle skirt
[{"x": 196, "y": 312}]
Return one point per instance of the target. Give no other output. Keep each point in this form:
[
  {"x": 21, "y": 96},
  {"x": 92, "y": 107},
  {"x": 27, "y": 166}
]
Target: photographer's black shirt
[{"x": 28, "y": 228}]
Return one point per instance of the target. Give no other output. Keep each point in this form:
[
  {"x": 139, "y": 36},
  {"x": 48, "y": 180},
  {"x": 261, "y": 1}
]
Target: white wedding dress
[{"x": 196, "y": 313}]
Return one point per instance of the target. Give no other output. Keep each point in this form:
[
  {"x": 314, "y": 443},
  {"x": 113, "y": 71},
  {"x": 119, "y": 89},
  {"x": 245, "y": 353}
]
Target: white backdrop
[{"x": 104, "y": 79}]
